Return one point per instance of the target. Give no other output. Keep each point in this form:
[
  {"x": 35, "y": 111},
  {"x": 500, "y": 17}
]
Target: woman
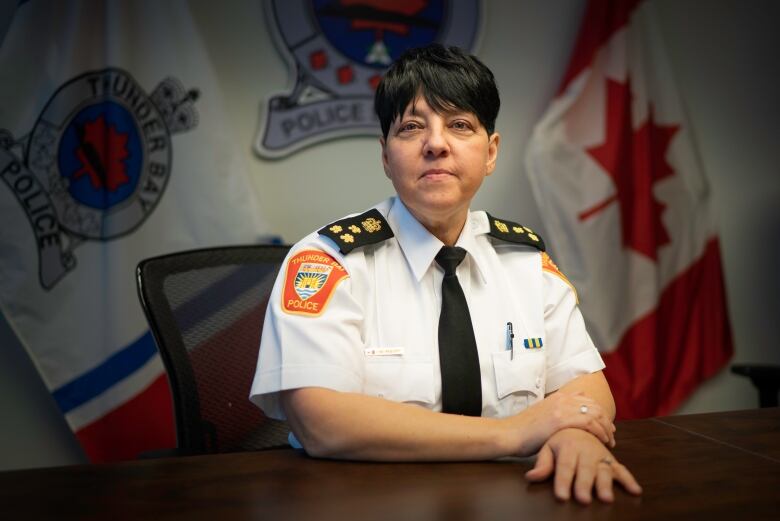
[{"x": 422, "y": 331}]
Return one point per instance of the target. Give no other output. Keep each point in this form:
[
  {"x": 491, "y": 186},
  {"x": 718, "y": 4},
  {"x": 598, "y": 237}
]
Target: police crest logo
[
  {"x": 96, "y": 162},
  {"x": 310, "y": 278},
  {"x": 337, "y": 51}
]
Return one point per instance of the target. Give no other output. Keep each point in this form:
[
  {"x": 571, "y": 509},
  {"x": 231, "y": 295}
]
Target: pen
[{"x": 510, "y": 334}]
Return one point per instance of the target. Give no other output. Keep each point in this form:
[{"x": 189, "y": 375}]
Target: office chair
[{"x": 205, "y": 309}]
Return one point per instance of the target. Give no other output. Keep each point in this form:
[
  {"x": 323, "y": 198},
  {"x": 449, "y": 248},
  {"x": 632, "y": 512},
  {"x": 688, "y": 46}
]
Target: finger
[
  {"x": 604, "y": 482},
  {"x": 591, "y": 418},
  {"x": 586, "y": 420},
  {"x": 608, "y": 427},
  {"x": 593, "y": 426},
  {"x": 597, "y": 429},
  {"x": 564, "y": 473},
  {"x": 607, "y": 424},
  {"x": 544, "y": 465},
  {"x": 625, "y": 478},
  {"x": 583, "y": 481}
]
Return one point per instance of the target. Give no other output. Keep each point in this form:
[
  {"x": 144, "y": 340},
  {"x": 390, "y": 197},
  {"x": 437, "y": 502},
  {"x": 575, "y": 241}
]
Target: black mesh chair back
[{"x": 206, "y": 308}]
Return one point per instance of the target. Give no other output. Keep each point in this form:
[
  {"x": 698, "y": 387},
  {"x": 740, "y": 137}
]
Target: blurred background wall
[{"x": 724, "y": 56}]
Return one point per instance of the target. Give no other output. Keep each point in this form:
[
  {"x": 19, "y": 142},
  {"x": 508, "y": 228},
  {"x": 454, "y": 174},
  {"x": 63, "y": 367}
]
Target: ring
[
  {"x": 606, "y": 460},
  {"x": 584, "y": 409}
]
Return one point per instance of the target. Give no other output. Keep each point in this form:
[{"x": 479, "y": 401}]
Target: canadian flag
[{"x": 616, "y": 175}]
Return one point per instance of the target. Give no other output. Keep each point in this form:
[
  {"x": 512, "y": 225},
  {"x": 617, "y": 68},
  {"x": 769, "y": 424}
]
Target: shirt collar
[
  {"x": 420, "y": 246},
  {"x": 470, "y": 238}
]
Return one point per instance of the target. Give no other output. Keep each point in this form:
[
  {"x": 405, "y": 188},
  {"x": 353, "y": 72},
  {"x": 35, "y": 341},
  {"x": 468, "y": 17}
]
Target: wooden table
[{"x": 708, "y": 466}]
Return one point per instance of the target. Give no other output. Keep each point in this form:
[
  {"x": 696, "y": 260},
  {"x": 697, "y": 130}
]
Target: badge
[
  {"x": 383, "y": 351},
  {"x": 533, "y": 343},
  {"x": 309, "y": 281}
]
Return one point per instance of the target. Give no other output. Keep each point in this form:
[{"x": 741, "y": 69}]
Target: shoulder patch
[
  {"x": 309, "y": 281},
  {"x": 514, "y": 232},
  {"x": 549, "y": 266},
  {"x": 357, "y": 231}
]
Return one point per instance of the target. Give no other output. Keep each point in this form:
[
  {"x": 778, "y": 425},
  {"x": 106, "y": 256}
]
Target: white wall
[{"x": 723, "y": 53}]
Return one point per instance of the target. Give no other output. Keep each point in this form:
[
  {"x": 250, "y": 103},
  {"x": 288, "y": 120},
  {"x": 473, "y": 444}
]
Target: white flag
[{"x": 114, "y": 147}]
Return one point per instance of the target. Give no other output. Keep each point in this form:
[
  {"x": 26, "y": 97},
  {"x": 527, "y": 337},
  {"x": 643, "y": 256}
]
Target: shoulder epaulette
[
  {"x": 514, "y": 232},
  {"x": 359, "y": 230}
]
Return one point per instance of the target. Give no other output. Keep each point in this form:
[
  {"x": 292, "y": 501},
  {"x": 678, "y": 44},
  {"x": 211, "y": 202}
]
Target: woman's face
[{"x": 437, "y": 162}]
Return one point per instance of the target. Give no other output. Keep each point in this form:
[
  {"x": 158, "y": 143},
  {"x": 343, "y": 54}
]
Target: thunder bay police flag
[{"x": 113, "y": 148}]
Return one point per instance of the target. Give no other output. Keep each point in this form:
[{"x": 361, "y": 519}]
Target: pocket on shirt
[
  {"x": 520, "y": 380},
  {"x": 399, "y": 379}
]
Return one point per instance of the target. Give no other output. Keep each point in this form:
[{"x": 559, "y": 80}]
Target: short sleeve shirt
[{"x": 375, "y": 329}]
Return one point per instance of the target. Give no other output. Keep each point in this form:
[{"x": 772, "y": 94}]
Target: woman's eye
[
  {"x": 409, "y": 126},
  {"x": 461, "y": 125}
]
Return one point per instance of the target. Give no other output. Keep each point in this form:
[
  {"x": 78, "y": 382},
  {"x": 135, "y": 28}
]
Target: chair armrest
[{"x": 765, "y": 377}]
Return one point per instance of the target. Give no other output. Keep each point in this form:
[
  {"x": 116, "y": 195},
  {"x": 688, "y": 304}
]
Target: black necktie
[{"x": 461, "y": 386}]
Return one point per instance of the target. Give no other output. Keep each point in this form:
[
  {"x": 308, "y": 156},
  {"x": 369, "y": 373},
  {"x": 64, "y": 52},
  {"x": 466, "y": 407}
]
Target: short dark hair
[{"x": 448, "y": 79}]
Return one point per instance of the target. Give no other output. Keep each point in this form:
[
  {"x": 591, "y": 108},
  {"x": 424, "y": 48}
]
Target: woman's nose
[{"x": 436, "y": 143}]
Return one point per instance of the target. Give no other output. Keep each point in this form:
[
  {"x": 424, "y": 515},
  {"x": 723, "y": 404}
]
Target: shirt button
[{"x": 538, "y": 383}]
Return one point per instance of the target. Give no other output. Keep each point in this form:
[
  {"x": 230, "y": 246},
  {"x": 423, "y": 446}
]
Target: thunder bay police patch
[
  {"x": 337, "y": 51},
  {"x": 310, "y": 278},
  {"x": 96, "y": 163}
]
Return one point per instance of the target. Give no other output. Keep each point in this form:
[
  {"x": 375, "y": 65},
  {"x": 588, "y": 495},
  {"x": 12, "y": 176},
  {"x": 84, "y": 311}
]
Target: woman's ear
[
  {"x": 383, "y": 143},
  {"x": 493, "y": 143}
]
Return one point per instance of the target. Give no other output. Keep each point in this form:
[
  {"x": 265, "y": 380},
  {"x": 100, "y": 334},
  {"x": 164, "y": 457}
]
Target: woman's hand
[
  {"x": 558, "y": 411},
  {"x": 577, "y": 458}
]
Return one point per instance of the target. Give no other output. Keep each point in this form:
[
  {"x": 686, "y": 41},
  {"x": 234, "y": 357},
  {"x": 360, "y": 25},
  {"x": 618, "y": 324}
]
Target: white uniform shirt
[{"x": 378, "y": 333}]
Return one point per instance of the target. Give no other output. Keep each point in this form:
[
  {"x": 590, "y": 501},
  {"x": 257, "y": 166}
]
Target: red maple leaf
[
  {"x": 635, "y": 160},
  {"x": 101, "y": 153}
]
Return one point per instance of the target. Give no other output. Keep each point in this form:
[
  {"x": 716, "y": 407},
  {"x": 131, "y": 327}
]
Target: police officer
[{"x": 420, "y": 330}]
